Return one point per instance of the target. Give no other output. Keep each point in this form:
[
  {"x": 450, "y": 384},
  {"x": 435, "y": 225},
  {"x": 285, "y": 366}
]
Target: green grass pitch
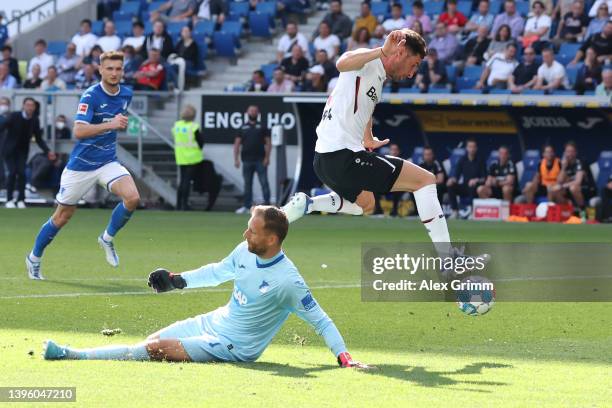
[{"x": 429, "y": 354}]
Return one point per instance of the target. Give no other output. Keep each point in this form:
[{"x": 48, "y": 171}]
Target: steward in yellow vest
[{"x": 188, "y": 143}]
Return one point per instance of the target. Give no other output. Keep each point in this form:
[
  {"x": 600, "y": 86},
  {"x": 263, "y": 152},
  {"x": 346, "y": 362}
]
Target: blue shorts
[{"x": 200, "y": 345}]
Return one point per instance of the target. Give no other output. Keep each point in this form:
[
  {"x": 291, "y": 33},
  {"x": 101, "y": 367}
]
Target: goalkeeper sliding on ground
[{"x": 267, "y": 288}]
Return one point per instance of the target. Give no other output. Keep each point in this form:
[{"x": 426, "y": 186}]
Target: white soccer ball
[
  {"x": 476, "y": 295},
  {"x": 541, "y": 210}
]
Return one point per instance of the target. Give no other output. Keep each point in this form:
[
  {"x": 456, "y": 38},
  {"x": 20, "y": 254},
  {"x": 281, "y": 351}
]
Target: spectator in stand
[
  {"x": 4, "y": 34},
  {"x": 86, "y": 77},
  {"x": 433, "y": 166},
  {"x": 548, "y": 6},
  {"x": 524, "y": 76},
  {"x": 589, "y": 74},
  {"x": 601, "y": 43},
  {"x": 594, "y": 11},
  {"x": 572, "y": 183},
  {"x": 499, "y": 69},
  {"x": 151, "y": 74},
  {"x": 279, "y": 83},
  {"x": 84, "y": 39},
  {"x": 34, "y": 80},
  {"x": 475, "y": 47},
  {"x": 93, "y": 58},
  {"x": 187, "y": 49},
  {"x": 158, "y": 39},
  {"x": 511, "y": 18},
  {"x": 366, "y": 19},
  {"x": 329, "y": 68},
  {"x": 288, "y": 40},
  {"x": 105, "y": 8},
  {"x": 537, "y": 27},
  {"x": 432, "y": 72},
  {"x": 453, "y": 19},
  {"x": 62, "y": 131},
  {"x": 396, "y": 21},
  {"x": 468, "y": 174},
  {"x": 360, "y": 39},
  {"x": 212, "y": 10},
  {"x": 605, "y": 88},
  {"x": 545, "y": 178},
  {"x": 175, "y": 10},
  {"x": 551, "y": 74},
  {"x": 445, "y": 43},
  {"x": 501, "y": 178},
  {"x": 7, "y": 81},
  {"x": 138, "y": 37},
  {"x": 573, "y": 25},
  {"x": 418, "y": 14},
  {"x": 109, "y": 41},
  {"x": 378, "y": 38},
  {"x": 295, "y": 66},
  {"x": 418, "y": 28},
  {"x": 131, "y": 64},
  {"x": 258, "y": 82},
  {"x": 500, "y": 42},
  {"x": 327, "y": 41},
  {"x": 482, "y": 17},
  {"x": 52, "y": 83},
  {"x": 67, "y": 64},
  {"x": 41, "y": 58},
  {"x": 339, "y": 23},
  {"x": 315, "y": 80},
  {"x": 13, "y": 64},
  {"x": 597, "y": 24}
]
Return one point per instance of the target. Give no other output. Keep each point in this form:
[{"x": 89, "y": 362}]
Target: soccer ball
[{"x": 473, "y": 297}]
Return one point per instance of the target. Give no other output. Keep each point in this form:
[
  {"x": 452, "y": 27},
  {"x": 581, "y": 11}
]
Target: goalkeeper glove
[
  {"x": 346, "y": 361},
  {"x": 162, "y": 280}
]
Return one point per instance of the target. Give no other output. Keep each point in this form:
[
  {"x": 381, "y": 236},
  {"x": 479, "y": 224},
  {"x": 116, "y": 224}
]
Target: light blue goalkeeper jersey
[{"x": 265, "y": 293}]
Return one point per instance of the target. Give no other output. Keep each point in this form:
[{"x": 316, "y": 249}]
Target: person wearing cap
[{"x": 315, "y": 80}]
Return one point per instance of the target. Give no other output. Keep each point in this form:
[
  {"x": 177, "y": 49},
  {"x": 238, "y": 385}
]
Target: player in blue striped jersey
[
  {"x": 102, "y": 111},
  {"x": 267, "y": 288}
]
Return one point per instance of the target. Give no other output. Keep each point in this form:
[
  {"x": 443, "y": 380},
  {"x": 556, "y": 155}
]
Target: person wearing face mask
[
  {"x": 5, "y": 106},
  {"x": 62, "y": 131}
]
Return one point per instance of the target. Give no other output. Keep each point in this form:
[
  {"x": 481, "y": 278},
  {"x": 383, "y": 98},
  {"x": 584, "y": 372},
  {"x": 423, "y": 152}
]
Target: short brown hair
[
  {"x": 111, "y": 55},
  {"x": 275, "y": 220},
  {"x": 414, "y": 42}
]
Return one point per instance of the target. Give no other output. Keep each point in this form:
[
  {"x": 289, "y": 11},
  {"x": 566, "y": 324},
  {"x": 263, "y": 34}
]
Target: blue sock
[
  {"x": 44, "y": 237},
  {"x": 114, "y": 352},
  {"x": 119, "y": 218}
]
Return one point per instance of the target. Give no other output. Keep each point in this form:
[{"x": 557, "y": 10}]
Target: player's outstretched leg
[
  {"x": 47, "y": 232},
  {"x": 125, "y": 188},
  {"x": 53, "y": 351},
  {"x": 301, "y": 204}
]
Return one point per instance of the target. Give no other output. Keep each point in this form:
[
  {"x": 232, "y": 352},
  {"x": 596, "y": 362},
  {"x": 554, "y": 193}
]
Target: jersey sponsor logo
[
  {"x": 82, "y": 109},
  {"x": 239, "y": 297},
  {"x": 264, "y": 287},
  {"x": 308, "y": 302},
  {"x": 372, "y": 94}
]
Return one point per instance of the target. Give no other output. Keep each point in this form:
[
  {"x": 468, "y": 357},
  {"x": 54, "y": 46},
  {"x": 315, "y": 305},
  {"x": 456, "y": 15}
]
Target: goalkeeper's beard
[{"x": 257, "y": 250}]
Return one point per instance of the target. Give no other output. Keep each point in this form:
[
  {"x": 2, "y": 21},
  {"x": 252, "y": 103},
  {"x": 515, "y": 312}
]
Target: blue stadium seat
[
  {"x": 413, "y": 90},
  {"x": 564, "y": 92},
  {"x": 56, "y": 47},
  {"x": 202, "y": 53},
  {"x": 605, "y": 168},
  {"x": 433, "y": 8},
  {"x": 130, "y": 7},
  {"x": 406, "y": 5},
  {"x": 571, "y": 72},
  {"x": 465, "y": 83},
  {"x": 266, "y": 7},
  {"x": 225, "y": 44},
  {"x": 154, "y": 5},
  {"x": 174, "y": 27},
  {"x": 451, "y": 73},
  {"x": 148, "y": 27},
  {"x": 495, "y": 6},
  {"x": 205, "y": 27},
  {"x": 434, "y": 90},
  {"x": 493, "y": 156},
  {"x": 239, "y": 8},
  {"x": 522, "y": 7},
  {"x": 120, "y": 15},
  {"x": 473, "y": 72},
  {"x": 567, "y": 52},
  {"x": 235, "y": 88},
  {"x": 454, "y": 158},
  {"x": 268, "y": 70},
  {"x": 232, "y": 27},
  {"x": 260, "y": 24},
  {"x": 97, "y": 27},
  {"x": 589, "y": 93},
  {"x": 417, "y": 155},
  {"x": 465, "y": 7},
  {"x": 496, "y": 91},
  {"x": 380, "y": 9},
  {"x": 124, "y": 28},
  {"x": 532, "y": 92},
  {"x": 531, "y": 160},
  {"x": 470, "y": 91}
]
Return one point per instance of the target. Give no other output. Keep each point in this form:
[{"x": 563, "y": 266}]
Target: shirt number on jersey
[{"x": 327, "y": 114}]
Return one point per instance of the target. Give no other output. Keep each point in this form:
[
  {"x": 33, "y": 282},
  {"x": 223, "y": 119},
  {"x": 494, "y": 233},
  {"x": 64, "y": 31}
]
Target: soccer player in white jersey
[
  {"x": 101, "y": 112},
  {"x": 267, "y": 288},
  {"x": 344, "y": 160}
]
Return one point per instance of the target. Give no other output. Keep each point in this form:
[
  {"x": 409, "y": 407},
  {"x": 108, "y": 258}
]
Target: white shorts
[{"x": 74, "y": 184}]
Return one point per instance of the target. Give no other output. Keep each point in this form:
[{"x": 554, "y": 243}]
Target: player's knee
[
  {"x": 131, "y": 201},
  {"x": 61, "y": 218}
]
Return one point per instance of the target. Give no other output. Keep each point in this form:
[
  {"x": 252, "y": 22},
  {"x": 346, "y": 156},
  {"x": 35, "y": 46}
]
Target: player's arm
[
  {"x": 162, "y": 280},
  {"x": 355, "y": 60},
  {"x": 84, "y": 130},
  {"x": 369, "y": 141}
]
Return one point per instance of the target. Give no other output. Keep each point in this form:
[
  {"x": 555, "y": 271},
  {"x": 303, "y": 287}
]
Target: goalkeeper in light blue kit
[{"x": 267, "y": 288}]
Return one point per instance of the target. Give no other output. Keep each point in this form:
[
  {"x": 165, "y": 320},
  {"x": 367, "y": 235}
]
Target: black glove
[{"x": 162, "y": 280}]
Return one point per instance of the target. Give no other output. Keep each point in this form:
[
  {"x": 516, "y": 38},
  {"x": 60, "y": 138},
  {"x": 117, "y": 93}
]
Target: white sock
[
  {"x": 107, "y": 237},
  {"x": 114, "y": 352},
  {"x": 34, "y": 258},
  {"x": 433, "y": 219},
  {"x": 333, "y": 203}
]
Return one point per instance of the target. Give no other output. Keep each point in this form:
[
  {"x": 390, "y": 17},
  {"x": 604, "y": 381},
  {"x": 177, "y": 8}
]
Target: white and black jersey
[
  {"x": 502, "y": 171},
  {"x": 349, "y": 108}
]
